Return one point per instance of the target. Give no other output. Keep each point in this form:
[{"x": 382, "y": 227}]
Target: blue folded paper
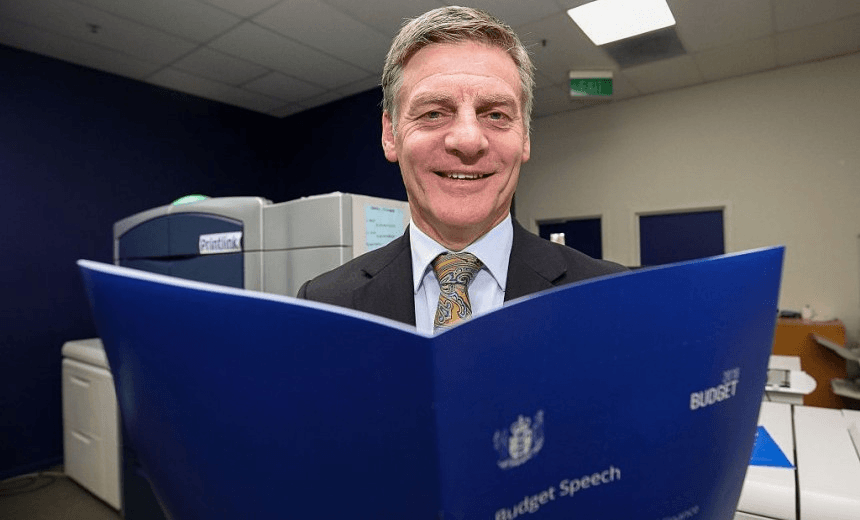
[{"x": 629, "y": 396}]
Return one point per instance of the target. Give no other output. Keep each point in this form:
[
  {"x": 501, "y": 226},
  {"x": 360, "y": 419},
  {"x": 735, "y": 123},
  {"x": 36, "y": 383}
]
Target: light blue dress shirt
[{"x": 487, "y": 290}]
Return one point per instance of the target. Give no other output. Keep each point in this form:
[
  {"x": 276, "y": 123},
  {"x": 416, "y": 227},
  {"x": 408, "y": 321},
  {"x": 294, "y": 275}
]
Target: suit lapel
[
  {"x": 533, "y": 266},
  {"x": 388, "y": 291}
]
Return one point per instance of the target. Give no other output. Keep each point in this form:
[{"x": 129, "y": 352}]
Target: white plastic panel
[
  {"x": 89, "y": 351},
  {"x": 286, "y": 271},
  {"x": 770, "y": 492},
  {"x": 828, "y": 466}
]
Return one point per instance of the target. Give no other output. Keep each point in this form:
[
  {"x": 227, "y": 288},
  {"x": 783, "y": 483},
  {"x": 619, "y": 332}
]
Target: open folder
[{"x": 631, "y": 396}]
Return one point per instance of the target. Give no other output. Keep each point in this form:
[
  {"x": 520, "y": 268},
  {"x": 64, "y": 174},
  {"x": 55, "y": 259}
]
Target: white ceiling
[{"x": 280, "y": 57}]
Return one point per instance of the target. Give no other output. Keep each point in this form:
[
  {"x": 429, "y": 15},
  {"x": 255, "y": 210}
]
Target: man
[{"x": 457, "y": 97}]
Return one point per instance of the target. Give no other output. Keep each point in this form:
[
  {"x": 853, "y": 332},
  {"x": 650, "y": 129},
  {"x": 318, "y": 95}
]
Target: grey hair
[{"x": 454, "y": 24}]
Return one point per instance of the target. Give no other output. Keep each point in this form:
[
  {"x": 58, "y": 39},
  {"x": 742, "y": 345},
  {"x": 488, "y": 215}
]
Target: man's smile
[{"x": 465, "y": 176}]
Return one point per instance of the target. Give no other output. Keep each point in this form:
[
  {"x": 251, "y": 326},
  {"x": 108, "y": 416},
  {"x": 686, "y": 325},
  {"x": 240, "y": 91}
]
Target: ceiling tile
[
  {"x": 517, "y": 12},
  {"x": 75, "y": 21},
  {"x": 335, "y": 48},
  {"x": 738, "y": 59},
  {"x": 554, "y": 100},
  {"x": 364, "y": 85},
  {"x": 185, "y": 18},
  {"x": 820, "y": 41},
  {"x": 221, "y": 67},
  {"x": 283, "y": 87},
  {"x": 32, "y": 39},
  {"x": 386, "y": 16},
  {"x": 567, "y": 47},
  {"x": 243, "y": 8},
  {"x": 542, "y": 80},
  {"x": 595, "y": 102},
  {"x": 622, "y": 87},
  {"x": 705, "y": 25},
  {"x": 665, "y": 75},
  {"x": 793, "y": 14},
  {"x": 570, "y": 4},
  {"x": 322, "y": 99},
  {"x": 550, "y": 100},
  {"x": 657, "y": 45},
  {"x": 252, "y": 100},
  {"x": 184, "y": 82},
  {"x": 259, "y": 45},
  {"x": 327, "y": 29},
  {"x": 286, "y": 110}
]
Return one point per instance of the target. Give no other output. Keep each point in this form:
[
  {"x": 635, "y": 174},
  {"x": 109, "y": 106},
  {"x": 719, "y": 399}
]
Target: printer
[
  {"x": 250, "y": 243},
  {"x": 243, "y": 242},
  {"x": 822, "y": 479}
]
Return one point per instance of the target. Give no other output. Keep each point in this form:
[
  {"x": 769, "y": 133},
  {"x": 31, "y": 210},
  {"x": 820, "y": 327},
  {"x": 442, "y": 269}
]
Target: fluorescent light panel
[{"x": 606, "y": 21}]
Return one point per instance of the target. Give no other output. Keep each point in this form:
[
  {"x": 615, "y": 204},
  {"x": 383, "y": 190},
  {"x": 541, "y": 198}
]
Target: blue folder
[{"x": 624, "y": 397}]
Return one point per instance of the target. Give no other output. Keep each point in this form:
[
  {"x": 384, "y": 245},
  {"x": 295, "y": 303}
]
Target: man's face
[{"x": 460, "y": 139}]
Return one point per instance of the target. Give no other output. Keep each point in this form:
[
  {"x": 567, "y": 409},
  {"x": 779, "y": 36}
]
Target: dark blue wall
[
  {"x": 675, "y": 237},
  {"x": 585, "y": 234},
  {"x": 81, "y": 149}
]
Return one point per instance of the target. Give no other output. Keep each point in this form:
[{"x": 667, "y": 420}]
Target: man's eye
[
  {"x": 433, "y": 114},
  {"x": 496, "y": 116}
]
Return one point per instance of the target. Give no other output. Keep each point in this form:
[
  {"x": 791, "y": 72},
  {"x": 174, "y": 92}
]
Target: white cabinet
[{"x": 90, "y": 421}]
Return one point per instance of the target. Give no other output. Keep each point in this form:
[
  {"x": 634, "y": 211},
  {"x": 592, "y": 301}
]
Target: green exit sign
[{"x": 590, "y": 83}]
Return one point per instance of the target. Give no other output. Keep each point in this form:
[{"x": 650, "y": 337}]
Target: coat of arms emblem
[{"x": 520, "y": 442}]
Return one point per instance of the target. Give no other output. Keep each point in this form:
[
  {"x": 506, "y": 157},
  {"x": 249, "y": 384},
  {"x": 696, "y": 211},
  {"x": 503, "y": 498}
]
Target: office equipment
[
  {"x": 333, "y": 413},
  {"x": 828, "y": 467},
  {"x": 90, "y": 422},
  {"x": 786, "y": 382},
  {"x": 850, "y": 385},
  {"x": 826, "y": 481},
  {"x": 794, "y": 338},
  {"x": 769, "y": 492},
  {"x": 250, "y": 243}
]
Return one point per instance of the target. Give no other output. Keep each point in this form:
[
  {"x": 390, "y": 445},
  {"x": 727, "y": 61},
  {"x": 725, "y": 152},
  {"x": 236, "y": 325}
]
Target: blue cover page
[{"x": 630, "y": 396}]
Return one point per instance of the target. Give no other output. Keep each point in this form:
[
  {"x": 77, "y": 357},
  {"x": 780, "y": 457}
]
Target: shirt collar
[{"x": 493, "y": 249}]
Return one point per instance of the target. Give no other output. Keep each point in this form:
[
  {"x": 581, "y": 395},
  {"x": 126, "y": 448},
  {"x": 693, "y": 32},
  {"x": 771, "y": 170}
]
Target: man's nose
[{"x": 466, "y": 138}]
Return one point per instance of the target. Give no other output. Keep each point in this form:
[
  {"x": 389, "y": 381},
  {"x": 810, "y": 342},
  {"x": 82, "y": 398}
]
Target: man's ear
[{"x": 388, "y": 144}]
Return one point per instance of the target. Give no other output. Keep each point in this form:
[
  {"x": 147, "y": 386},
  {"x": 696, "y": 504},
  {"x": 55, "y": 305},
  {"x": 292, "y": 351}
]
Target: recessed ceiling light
[{"x": 607, "y": 21}]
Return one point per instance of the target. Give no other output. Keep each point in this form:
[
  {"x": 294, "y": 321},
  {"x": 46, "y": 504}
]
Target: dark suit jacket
[{"x": 380, "y": 282}]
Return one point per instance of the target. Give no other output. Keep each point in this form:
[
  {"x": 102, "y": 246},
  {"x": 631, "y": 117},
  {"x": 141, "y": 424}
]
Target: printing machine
[
  {"x": 250, "y": 243},
  {"x": 823, "y": 445},
  {"x": 244, "y": 242}
]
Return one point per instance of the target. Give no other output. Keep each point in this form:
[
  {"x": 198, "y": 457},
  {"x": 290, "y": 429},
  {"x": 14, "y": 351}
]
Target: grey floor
[{"x": 50, "y": 495}]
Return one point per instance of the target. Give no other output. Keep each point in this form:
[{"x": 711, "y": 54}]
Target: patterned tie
[{"x": 455, "y": 271}]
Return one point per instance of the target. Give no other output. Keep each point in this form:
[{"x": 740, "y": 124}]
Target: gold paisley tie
[{"x": 455, "y": 271}]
